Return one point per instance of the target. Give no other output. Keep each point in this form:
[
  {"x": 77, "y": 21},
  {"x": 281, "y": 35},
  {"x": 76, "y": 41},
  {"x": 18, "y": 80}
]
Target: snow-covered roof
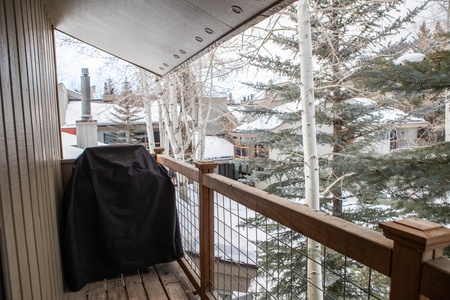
[
  {"x": 238, "y": 112},
  {"x": 69, "y": 145},
  {"x": 102, "y": 112},
  {"x": 270, "y": 122},
  {"x": 217, "y": 148},
  {"x": 388, "y": 114}
]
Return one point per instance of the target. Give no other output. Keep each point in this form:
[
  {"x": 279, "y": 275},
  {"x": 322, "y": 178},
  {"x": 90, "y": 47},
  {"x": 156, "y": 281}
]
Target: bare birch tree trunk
[
  {"x": 447, "y": 98},
  {"x": 148, "y": 111},
  {"x": 200, "y": 138},
  {"x": 163, "y": 140},
  {"x": 149, "y": 125},
  {"x": 171, "y": 120},
  {"x": 203, "y": 116},
  {"x": 311, "y": 160}
]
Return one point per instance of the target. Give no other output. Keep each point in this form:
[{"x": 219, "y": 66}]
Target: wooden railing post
[
  {"x": 156, "y": 151},
  {"x": 415, "y": 241},
  {"x": 206, "y": 229},
  {"x": 159, "y": 150}
]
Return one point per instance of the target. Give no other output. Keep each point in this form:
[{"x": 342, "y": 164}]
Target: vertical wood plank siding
[{"x": 30, "y": 175}]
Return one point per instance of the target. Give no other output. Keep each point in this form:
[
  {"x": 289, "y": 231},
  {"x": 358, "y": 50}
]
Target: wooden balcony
[
  {"x": 160, "y": 282},
  {"x": 408, "y": 254}
]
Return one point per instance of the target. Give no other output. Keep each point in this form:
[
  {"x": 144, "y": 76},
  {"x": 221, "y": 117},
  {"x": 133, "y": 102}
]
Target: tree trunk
[
  {"x": 163, "y": 140},
  {"x": 447, "y": 92},
  {"x": 148, "y": 111},
  {"x": 170, "y": 115},
  {"x": 311, "y": 160}
]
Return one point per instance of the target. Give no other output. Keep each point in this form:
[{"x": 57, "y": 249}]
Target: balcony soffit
[{"x": 158, "y": 35}]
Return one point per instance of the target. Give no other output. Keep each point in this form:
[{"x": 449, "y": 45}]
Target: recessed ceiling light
[
  {"x": 176, "y": 56},
  {"x": 198, "y": 39},
  {"x": 236, "y": 9},
  {"x": 209, "y": 31},
  {"x": 182, "y": 51},
  {"x": 165, "y": 65}
]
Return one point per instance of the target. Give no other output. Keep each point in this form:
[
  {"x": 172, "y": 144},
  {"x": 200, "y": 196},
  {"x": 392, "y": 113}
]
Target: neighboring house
[
  {"x": 102, "y": 110},
  {"x": 402, "y": 132},
  {"x": 245, "y": 133},
  {"x": 220, "y": 120}
]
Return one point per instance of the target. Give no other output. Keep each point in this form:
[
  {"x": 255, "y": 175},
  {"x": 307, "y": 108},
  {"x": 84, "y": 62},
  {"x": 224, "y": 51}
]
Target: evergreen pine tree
[
  {"x": 416, "y": 178},
  {"x": 344, "y": 32},
  {"x": 126, "y": 115}
]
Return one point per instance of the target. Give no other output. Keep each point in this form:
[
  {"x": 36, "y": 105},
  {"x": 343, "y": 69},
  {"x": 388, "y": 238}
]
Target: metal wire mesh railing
[
  {"x": 257, "y": 258},
  {"x": 243, "y": 243},
  {"x": 187, "y": 195}
]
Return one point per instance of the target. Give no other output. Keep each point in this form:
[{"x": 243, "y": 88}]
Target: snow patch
[{"x": 410, "y": 57}]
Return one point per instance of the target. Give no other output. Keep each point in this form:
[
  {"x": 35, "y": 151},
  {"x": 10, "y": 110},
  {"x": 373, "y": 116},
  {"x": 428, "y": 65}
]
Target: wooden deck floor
[{"x": 163, "y": 281}]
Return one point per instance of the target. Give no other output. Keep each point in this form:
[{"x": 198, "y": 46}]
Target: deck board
[
  {"x": 161, "y": 282},
  {"x": 81, "y": 294},
  {"x": 153, "y": 285},
  {"x": 97, "y": 290},
  {"x": 135, "y": 288},
  {"x": 116, "y": 289},
  {"x": 171, "y": 283}
]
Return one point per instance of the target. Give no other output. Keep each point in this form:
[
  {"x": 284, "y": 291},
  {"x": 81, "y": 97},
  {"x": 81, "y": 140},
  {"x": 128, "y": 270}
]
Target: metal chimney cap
[{"x": 85, "y": 71}]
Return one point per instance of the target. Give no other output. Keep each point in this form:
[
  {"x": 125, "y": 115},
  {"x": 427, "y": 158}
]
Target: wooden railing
[{"x": 409, "y": 251}]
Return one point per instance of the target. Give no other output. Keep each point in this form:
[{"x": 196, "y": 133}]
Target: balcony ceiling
[{"x": 158, "y": 35}]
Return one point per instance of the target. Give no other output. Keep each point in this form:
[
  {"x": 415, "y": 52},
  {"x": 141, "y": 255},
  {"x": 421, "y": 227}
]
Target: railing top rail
[
  {"x": 178, "y": 166},
  {"x": 369, "y": 247},
  {"x": 435, "y": 278}
]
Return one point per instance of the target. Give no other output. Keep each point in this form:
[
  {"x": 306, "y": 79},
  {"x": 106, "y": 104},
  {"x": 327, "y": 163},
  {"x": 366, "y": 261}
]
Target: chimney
[
  {"x": 85, "y": 95},
  {"x": 86, "y": 127}
]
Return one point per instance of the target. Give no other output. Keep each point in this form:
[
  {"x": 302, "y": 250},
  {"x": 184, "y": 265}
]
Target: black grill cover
[{"x": 119, "y": 215}]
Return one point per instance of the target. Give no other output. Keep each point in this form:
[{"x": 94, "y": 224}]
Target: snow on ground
[{"x": 232, "y": 242}]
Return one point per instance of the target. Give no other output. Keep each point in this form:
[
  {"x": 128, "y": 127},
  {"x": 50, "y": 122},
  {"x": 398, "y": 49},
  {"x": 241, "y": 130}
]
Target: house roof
[
  {"x": 391, "y": 115},
  {"x": 217, "y": 148},
  {"x": 385, "y": 114},
  {"x": 102, "y": 112},
  {"x": 270, "y": 122},
  {"x": 158, "y": 35}
]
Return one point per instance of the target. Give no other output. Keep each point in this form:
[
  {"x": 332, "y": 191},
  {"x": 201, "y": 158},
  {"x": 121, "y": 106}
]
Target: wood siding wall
[{"x": 30, "y": 175}]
